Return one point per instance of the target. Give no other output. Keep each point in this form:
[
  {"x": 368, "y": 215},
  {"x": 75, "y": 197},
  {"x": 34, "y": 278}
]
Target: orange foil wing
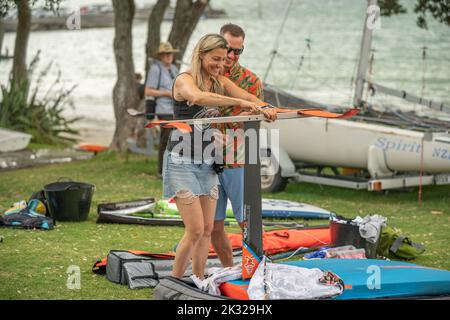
[
  {"x": 183, "y": 127},
  {"x": 325, "y": 114}
]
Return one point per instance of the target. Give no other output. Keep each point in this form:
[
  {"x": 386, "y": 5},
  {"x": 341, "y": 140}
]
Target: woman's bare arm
[
  {"x": 234, "y": 91},
  {"x": 185, "y": 89},
  {"x": 151, "y": 92}
]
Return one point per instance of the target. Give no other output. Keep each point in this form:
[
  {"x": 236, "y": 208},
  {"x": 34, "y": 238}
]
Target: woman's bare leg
[
  {"x": 190, "y": 210},
  {"x": 200, "y": 254}
]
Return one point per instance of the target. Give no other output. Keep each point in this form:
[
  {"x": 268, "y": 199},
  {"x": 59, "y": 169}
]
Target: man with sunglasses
[{"x": 232, "y": 177}]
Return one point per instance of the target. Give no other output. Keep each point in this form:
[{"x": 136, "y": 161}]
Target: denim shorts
[
  {"x": 199, "y": 179},
  {"x": 231, "y": 187}
]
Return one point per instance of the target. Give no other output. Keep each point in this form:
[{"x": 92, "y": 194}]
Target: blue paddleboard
[
  {"x": 375, "y": 279},
  {"x": 274, "y": 208}
]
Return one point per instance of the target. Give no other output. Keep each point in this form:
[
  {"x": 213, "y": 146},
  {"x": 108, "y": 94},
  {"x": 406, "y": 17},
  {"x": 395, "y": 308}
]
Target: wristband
[{"x": 268, "y": 106}]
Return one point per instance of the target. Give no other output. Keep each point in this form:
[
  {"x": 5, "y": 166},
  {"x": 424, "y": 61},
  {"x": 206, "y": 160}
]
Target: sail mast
[{"x": 366, "y": 44}]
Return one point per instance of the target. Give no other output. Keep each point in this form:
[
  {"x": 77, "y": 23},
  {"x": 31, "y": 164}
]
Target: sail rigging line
[
  {"x": 300, "y": 63},
  {"x": 352, "y": 80},
  {"x": 369, "y": 75},
  {"x": 298, "y": 68},
  {"x": 313, "y": 77},
  {"x": 389, "y": 107},
  {"x": 419, "y": 200},
  {"x": 326, "y": 84},
  {"x": 275, "y": 82},
  {"x": 409, "y": 97},
  {"x": 407, "y": 120},
  {"x": 322, "y": 83},
  {"x": 413, "y": 121},
  {"x": 424, "y": 68},
  {"x": 277, "y": 95},
  {"x": 287, "y": 60},
  {"x": 308, "y": 45},
  {"x": 277, "y": 40}
]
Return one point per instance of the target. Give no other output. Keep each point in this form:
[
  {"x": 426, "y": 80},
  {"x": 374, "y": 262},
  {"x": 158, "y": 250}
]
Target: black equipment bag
[{"x": 170, "y": 288}]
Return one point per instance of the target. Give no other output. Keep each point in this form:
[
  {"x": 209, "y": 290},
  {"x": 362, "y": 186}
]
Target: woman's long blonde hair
[{"x": 207, "y": 43}]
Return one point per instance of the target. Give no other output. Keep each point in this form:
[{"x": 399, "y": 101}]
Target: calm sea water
[{"x": 86, "y": 59}]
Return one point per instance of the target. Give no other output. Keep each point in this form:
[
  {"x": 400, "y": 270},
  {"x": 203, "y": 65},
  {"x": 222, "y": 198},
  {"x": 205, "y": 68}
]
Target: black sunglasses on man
[{"x": 237, "y": 52}]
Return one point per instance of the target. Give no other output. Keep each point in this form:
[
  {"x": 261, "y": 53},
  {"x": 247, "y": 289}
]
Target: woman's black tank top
[{"x": 192, "y": 141}]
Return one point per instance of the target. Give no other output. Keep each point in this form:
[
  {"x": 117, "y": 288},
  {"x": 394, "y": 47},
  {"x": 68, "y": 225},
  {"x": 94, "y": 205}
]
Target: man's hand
[
  {"x": 272, "y": 113},
  {"x": 269, "y": 113}
]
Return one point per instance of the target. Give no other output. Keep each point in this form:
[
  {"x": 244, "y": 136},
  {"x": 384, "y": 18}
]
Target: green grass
[{"x": 33, "y": 264}]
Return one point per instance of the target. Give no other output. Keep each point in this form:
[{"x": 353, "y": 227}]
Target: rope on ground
[{"x": 294, "y": 253}]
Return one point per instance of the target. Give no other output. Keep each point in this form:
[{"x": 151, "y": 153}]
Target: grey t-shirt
[{"x": 164, "y": 105}]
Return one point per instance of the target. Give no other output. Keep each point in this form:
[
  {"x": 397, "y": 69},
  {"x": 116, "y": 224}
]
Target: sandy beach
[{"x": 91, "y": 132}]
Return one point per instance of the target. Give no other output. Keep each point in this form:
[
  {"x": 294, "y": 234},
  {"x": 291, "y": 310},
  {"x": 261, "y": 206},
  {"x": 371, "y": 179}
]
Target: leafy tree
[
  {"x": 44, "y": 119},
  {"x": 2, "y": 33},
  {"x": 125, "y": 93},
  {"x": 390, "y": 7},
  {"x": 154, "y": 30},
  {"x": 439, "y": 10},
  {"x": 19, "y": 69},
  {"x": 187, "y": 15}
]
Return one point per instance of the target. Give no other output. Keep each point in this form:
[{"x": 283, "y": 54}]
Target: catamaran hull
[{"x": 342, "y": 143}]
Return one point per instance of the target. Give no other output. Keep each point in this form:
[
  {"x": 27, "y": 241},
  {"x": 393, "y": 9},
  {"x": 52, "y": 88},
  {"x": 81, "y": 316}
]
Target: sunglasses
[{"x": 236, "y": 52}]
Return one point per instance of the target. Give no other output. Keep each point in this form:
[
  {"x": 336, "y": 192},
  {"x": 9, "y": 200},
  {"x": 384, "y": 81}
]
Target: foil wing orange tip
[
  {"x": 183, "y": 127},
  {"x": 326, "y": 114}
]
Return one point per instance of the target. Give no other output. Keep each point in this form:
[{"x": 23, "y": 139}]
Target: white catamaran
[{"x": 386, "y": 154}]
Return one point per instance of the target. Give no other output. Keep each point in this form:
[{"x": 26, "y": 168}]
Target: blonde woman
[{"x": 188, "y": 176}]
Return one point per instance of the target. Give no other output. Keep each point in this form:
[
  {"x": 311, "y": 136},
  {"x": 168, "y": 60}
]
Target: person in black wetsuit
[{"x": 188, "y": 174}]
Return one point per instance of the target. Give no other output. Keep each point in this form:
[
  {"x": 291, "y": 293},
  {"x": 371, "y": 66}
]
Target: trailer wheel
[{"x": 273, "y": 183}]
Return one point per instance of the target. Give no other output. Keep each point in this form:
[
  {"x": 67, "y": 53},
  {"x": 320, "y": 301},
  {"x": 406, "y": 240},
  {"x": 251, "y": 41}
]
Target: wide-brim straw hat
[{"x": 166, "y": 47}]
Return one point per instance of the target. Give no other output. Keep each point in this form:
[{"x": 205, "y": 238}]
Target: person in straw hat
[{"x": 159, "y": 85}]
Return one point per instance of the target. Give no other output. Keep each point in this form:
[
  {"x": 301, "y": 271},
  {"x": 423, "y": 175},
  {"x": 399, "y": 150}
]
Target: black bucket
[
  {"x": 69, "y": 200},
  {"x": 347, "y": 234}
]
